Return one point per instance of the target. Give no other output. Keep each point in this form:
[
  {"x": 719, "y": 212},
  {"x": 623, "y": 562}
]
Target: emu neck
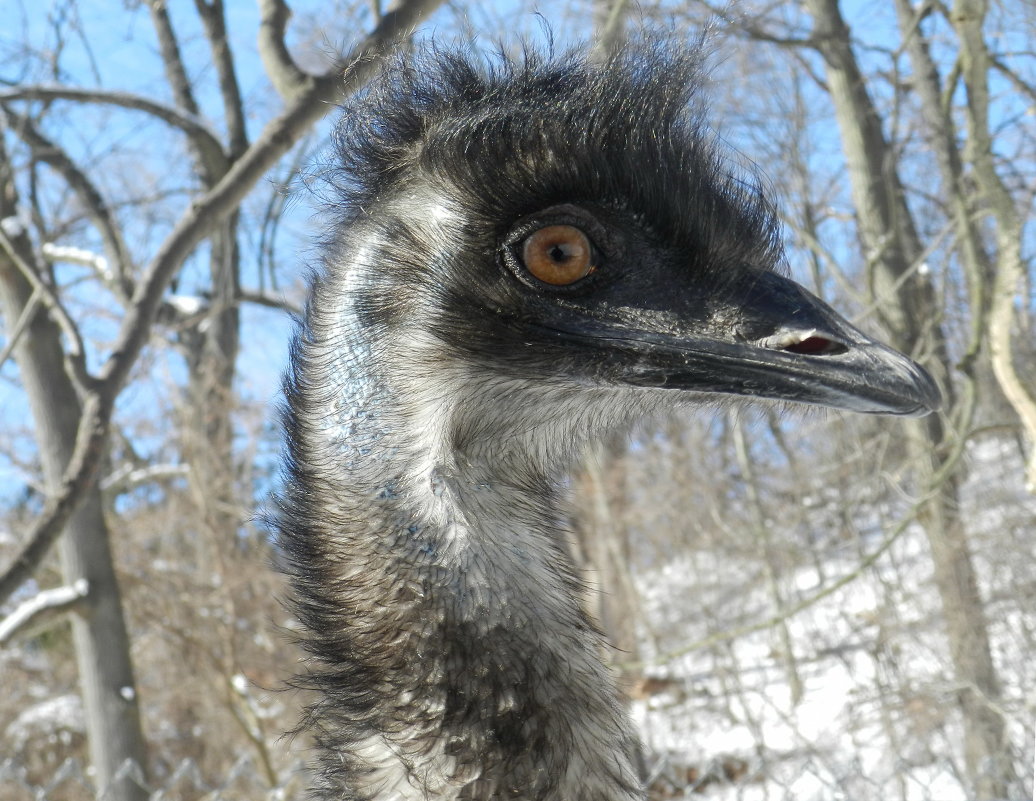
[
  {"x": 486, "y": 545},
  {"x": 459, "y": 662}
]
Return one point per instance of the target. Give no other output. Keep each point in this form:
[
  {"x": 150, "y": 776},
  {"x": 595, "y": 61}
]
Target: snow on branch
[
  {"x": 74, "y": 255},
  {"x": 42, "y": 607},
  {"x": 129, "y": 477}
]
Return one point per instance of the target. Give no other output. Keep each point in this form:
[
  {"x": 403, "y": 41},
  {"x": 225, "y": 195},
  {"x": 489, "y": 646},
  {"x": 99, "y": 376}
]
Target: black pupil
[{"x": 560, "y": 253}]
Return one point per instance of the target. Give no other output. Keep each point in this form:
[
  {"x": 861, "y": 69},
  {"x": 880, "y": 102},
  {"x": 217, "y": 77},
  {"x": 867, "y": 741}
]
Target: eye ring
[{"x": 558, "y": 255}]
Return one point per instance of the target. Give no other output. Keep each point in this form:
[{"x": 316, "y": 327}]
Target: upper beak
[{"x": 776, "y": 340}]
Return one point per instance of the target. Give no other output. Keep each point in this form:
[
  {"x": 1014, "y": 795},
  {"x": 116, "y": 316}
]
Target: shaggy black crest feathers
[{"x": 511, "y": 135}]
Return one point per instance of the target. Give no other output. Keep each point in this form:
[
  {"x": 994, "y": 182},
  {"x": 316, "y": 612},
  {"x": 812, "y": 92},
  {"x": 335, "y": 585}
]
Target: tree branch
[
  {"x": 967, "y": 20},
  {"x": 169, "y": 49},
  {"x": 288, "y": 79},
  {"x": 191, "y": 124},
  {"x": 1024, "y": 88},
  {"x": 210, "y": 166},
  {"x": 130, "y": 476},
  {"x": 751, "y": 28},
  {"x": 259, "y": 299},
  {"x": 75, "y": 356},
  {"x": 78, "y": 477},
  {"x": 73, "y": 255},
  {"x": 20, "y": 326},
  {"x": 216, "y": 30},
  {"x": 49, "y": 153},
  {"x": 790, "y": 611},
  {"x": 204, "y": 214},
  {"x": 43, "y": 606}
]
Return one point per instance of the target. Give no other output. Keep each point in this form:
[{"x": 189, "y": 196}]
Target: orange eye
[{"x": 558, "y": 255}]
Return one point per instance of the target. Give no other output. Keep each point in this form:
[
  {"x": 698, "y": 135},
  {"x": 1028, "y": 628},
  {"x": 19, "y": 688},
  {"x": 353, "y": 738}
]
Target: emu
[{"x": 527, "y": 254}]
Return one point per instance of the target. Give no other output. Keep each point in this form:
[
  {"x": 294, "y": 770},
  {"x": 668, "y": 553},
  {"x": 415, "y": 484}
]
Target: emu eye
[{"x": 558, "y": 255}]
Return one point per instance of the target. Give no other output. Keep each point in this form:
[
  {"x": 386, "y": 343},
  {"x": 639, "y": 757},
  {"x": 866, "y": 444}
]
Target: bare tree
[
  {"x": 984, "y": 219},
  {"x": 73, "y": 402},
  {"x": 910, "y": 311},
  {"x": 102, "y": 645}
]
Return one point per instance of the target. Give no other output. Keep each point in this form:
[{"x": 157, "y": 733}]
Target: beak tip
[{"x": 922, "y": 396}]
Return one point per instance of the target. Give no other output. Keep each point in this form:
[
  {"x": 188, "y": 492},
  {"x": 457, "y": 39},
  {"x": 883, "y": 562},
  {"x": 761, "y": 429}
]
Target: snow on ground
[
  {"x": 51, "y": 721},
  {"x": 876, "y": 717}
]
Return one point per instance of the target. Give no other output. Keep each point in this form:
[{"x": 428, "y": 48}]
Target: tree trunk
[
  {"x": 609, "y": 26},
  {"x": 602, "y": 551},
  {"x": 910, "y": 311},
  {"x": 968, "y": 17},
  {"x": 102, "y": 646},
  {"x": 212, "y": 350}
]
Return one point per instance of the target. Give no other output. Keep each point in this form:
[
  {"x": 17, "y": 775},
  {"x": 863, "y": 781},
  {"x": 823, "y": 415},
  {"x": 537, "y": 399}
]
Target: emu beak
[{"x": 768, "y": 338}]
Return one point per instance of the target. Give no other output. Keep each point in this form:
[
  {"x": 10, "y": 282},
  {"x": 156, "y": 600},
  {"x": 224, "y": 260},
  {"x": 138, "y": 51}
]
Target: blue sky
[{"x": 109, "y": 46}]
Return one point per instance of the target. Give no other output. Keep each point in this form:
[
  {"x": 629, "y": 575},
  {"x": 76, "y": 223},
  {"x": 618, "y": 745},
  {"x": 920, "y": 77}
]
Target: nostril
[
  {"x": 817, "y": 346},
  {"x": 808, "y": 343}
]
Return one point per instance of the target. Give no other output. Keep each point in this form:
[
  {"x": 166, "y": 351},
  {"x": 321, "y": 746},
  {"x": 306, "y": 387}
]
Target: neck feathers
[{"x": 441, "y": 607}]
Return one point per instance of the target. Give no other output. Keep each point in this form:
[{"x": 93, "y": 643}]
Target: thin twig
[{"x": 775, "y": 620}]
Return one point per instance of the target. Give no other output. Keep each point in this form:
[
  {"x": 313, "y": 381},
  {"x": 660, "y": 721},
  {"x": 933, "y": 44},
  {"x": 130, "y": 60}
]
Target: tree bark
[
  {"x": 211, "y": 344},
  {"x": 102, "y": 645},
  {"x": 967, "y": 18},
  {"x": 73, "y": 409},
  {"x": 610, "y": 26},
  {"x": 602, "y": 551}
]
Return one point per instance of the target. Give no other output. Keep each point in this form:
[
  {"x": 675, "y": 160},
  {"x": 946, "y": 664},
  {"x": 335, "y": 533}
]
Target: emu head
[{"x": 534, "y": 252}]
